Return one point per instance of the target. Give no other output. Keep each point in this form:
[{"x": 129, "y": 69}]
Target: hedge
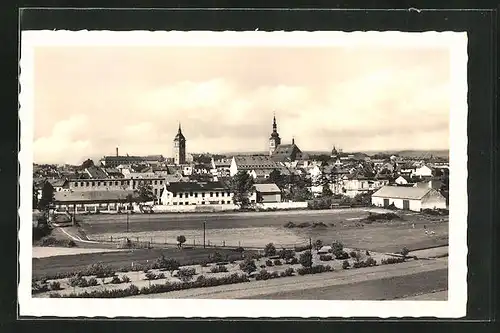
[
  {"x": 314, "y": 269},
  {"x": 390, "y": 261},
  {"x": 132, "y": 290}
]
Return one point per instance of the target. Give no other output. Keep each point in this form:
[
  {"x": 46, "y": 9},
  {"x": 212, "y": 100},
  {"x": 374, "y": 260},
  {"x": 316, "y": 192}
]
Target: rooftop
[
  {"x": 92, "y": 196},
  {"x": 267, "y": 188},
  {"x": 401, "y": 192}
]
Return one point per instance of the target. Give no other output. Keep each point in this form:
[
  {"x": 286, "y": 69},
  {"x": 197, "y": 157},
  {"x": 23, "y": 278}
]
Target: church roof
[{"x": 287, "y": 152}]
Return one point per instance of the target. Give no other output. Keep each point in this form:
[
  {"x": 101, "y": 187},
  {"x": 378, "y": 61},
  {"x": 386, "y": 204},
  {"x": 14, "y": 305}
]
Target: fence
[{"x": 164, "y": 242}]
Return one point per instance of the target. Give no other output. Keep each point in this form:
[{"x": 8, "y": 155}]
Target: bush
[
  {"x": 288, "y": 272},
  {"x": 305, "y": 259},
  {"x": 125, "y": 279},
  {"x": 215, "y": 257},
  {"x": 92, "y": 282},
  {"x": 325, "y": 257},
  {"x": 262, "y": 275},
  {"x": 302, "y": 248},
  {"x": 181, "y": 240},
  {"x": 71, "y": 243},
  {"x": 186, "y": 274},
  {"x": 150, "y": 276},
  {"x": 39, "y": 287},
  {"x": 293, "y": 261},
  {"x": 116, "y": 280},
  {"x": 269, "y": 263},
  {"x": 353, "y": 254},
  {"x": 278, "y": 262},
  {"x": 287, "y": 254},
  {"x": 318, "y": 244},
  {"x": 262, "y": 266},
  {"x": 218, "y": 269},
  {"x": 367, "y": 253},
  {"x": 314, "y": 269},
  {"x": 345, "y": 264},
  {"x": 337, "y": 248},
  {"x": 390, "y": 261},
  {"x": 269, "y": 250},
  {"x": 159, "y": 288},
  {"x": 55, "y": 285},
  {"x": 100, "y": 271},
  {"x": 239, "y": 249},
  {"x": 371, "y": 262},
  {"x": 372, "y": 217},
  {"x": 289, "y": 225},
  {"x": 160, "y": 276},
  {"x": 405, "y": 251},
  {"x": 319, "y": 225},
  {"x": 342, "y": 255},
  {"x": 248, "y": 265},
  {"x": 304, "y": 225}
]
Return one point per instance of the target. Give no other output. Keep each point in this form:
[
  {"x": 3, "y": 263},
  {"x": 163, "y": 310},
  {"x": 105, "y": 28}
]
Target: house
[
  {"x": 196, "y": 193},
  {"x": 423, "y": 171},
  {"x": 267, "y": 193},
  {"x": 430, "y": 183},
  {"x": 352, "y": 186},
  {"x": 404, "y": 180},
  {"x": 408, "y": 198},
  {"x": 114, "y": 161},
  {"x": 92, "y": 200}
]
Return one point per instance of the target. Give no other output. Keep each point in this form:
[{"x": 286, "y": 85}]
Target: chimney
[{"x": 117, "y": 152}]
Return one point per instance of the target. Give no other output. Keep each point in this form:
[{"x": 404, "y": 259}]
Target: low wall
[
  {"x": 193, "y": 208},
  {"x": 283, "y": 205}
]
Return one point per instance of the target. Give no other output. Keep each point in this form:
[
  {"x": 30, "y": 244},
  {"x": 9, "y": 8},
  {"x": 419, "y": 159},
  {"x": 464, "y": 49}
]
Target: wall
[
  {"x": 193, "y": 208},
  {"x": 433, "y": 200},
  {"x": 415, "y": 205},
  {"x": 271, "y": 198},
  {"x": 196, "y": 198},
  {"x": 282, "y": 205},
  {"x": 157, "y": 184}
]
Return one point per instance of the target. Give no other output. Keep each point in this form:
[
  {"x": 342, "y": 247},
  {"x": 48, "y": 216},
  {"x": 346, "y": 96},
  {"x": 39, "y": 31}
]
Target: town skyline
[{"x": 134, "y": 98}]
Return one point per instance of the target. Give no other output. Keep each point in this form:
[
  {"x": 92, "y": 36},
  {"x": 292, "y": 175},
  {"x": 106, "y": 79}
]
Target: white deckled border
[{"x": 162, "y": 308}]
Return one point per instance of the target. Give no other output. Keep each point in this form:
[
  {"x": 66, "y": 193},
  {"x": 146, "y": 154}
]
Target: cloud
[{"x": 90, "y": 100}]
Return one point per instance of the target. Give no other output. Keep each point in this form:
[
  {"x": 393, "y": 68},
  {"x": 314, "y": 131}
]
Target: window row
[
  {"x": 117, "y": 183},
  {"x": 202, "y": 194},
  {"x": 186, "y": 203}
]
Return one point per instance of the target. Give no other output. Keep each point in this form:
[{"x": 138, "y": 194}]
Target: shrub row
[
  {"x": 52, "y": 241},
  {"x": 152, "y": 276},
  {"x": 218, "y": 269},
  {"x": 325, "y": 257},
  {"x": 314, "y": 269},
  {"x": 132, "y": 290},
  {"x": 79, "y": 281},
  {"x": 368, "y": 263},
  {"x": 390, "y": 261}
]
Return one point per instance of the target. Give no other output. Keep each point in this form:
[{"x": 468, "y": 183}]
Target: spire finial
[{"x": 179, "y": 126}]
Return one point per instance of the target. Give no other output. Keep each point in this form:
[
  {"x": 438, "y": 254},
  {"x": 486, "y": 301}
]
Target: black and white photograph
[{"x": 243, "y": 174}]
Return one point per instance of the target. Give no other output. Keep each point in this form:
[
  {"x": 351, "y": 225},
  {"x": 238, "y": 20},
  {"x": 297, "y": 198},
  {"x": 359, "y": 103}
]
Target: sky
[{"x": 88, "y": 100}]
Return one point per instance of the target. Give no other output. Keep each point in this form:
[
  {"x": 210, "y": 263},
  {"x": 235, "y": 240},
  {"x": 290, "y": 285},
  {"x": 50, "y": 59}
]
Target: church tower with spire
[
  {"x": 179, "y": 147},
  {"x": 274, "y": 140}
]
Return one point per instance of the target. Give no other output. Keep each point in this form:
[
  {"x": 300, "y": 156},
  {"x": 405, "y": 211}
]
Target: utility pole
[
  {"x": 310, "y": 243},
  {"x": 204, "y": 234},
  {"x": 127, "y": 219}
]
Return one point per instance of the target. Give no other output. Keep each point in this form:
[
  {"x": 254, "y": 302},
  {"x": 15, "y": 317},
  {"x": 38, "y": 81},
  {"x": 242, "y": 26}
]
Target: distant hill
[{"x": 413, "y": 153}]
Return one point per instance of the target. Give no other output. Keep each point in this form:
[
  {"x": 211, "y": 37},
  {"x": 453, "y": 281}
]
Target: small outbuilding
[
  {"x": 267, "y": 193},
  {"x": 409, "y": 198}
]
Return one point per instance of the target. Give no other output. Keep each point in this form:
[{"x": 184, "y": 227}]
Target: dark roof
[
  {"x": 287, "y": 152},
  {"x": 255, "y": 162},
  {"x": 56, "y": 182},
  {"x": 124, "y": 158},
  {"x": 179, "y": 136},
  {"x": 91, "y": 196},
  {"x": 196, "y": 186},
  {"x": 96, "y": 172},
  {"x": 158, "y": 158}
]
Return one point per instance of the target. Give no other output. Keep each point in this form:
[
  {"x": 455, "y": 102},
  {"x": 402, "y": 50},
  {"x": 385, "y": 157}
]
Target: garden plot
[{"x": 149, "y": 278}]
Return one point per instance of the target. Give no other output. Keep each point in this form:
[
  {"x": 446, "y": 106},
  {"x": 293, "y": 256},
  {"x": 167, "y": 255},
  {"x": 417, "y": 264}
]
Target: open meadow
[{"x": 286, "y": 229}]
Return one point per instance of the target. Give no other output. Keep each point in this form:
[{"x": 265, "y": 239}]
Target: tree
[
  {"x": 35, "y": 197},
  {"x": 129, "y": 199},
  {"x": 270, "y": 250},
  {"x": 181, "y": 240},
  {"x": 337, "y": 248},
  {"x": 405, "y": 252},
  {"x": 327, "y": 192},
  {"x": 241, "y": 186},
  {"x": 305, "y": 259},
  {"x": 248, "y": 265},
  {"x": 47, "y": 198},
  {"x": 287, "y": 254},
  {"x": 171, "y": 265},
  {"x": 277, "y": 178},
  {"x": 145, "y": 193},
  {"x": 318, "y": 244}
]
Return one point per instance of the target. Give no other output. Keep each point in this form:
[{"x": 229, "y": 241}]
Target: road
[
  {"x": 373, "y": 283},
  {"x": 71, "y": 263}
]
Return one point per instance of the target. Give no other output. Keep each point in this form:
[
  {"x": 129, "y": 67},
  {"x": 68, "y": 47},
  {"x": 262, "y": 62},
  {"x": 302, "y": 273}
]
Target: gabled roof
[
  {"x": 96, "y": 172},
  {"x": 255, "y": 162},
  {"x": 92, "y": 196},
  {"x": 400, "y": 192},
  {"x": 267, "y": 188},
  {"x": 57, "y": 182}
]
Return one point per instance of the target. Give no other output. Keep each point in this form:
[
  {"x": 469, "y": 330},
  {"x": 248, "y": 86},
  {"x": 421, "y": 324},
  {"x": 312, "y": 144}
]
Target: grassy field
[{"x": 258, "y": 229}]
